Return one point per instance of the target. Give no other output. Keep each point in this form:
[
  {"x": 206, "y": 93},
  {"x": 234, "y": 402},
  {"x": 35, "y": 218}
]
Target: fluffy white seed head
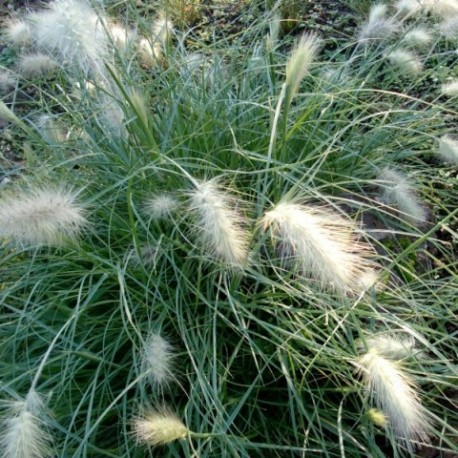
[
  {"x": 36, "y": 65},
  {"x": 159, "y": 427},
  {"x": 218, "y": 224},
  {"x": 121, "y": 37},
  {"x": 418, "y": 37},
  {"x": 398, "y": 192},
  {"x": 391, "y": 347},
  {"x": 22, "y": 430},
  {"x": 8, "y": 80},
  {"x": 149, "y": 53},
  {"x": 377, "y": 417},
  {"x": 157, "y": 360},
  {"x": 162, "y": 30},
  {"x": 442, "y": 8},
  {"x": 405, "y": 61},
  {"x": 449, "y": 28},
  {"x": 321, "y": 244},
  {"x": 450, "y": 89},
  {"x": 17, "y": 33},
  {"x": 41, "y": 217},
  {"x": 160, "y": 206},
  {"x": 300, "y": 60},
  {"x": 448, "y": 149},
  {"x": 408, "y": 7},
  {"x": 395, "y": 394},
  {"x": 378, "y": 26},
  {"x": 73, "y": 33}
]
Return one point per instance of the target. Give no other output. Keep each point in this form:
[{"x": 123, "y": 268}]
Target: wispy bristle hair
[
  {"x": 37, "y": 64},
  {"x": 159, "y": 427},
  {"x": 41, "y": 217},
  {"x": 8, "y": 80},
  {"x": 218, "y": 223},
  {"x": 450, "y": 89},
  {"x": 408, "y": 7},
  {"x": 405, "y": 61},
  {"x": 73, "y": 33},
  {"x": 449, "y": 28},
  {"x": 149, "y": 53},
  {"x": 17, "y": 33},
  {"x": 299, "y": 61},
  {"x": 162, "y": 29},
  {"x": 157, "y": 360},
  {"x": 321, "y": 244},
  {"x": 378, "y": 26},
  {"x": 442, "y": 8},
  {"x": 160, "y": 206},
  {"x": 394, "y": 392},
  {"x": 22, "y": 432},
  {"x": 398, "y": 192},
  {"x": 418, "y": 38},
  {"x": 448, "y": 149}
]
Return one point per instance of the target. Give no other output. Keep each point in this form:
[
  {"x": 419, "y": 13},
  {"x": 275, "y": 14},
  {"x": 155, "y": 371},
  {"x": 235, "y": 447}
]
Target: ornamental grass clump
[
  {"x": 394, "y": 390},
  {"x": 322, "y": 245},
  {"x": 41, "y": 217},
  {"x": 236, "y": 300}
]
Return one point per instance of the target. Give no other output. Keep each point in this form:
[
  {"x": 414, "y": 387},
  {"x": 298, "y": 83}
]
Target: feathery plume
[
  {"x": 160, "y": 206},
  {"x": 378, "y": 26},
  {"x": 219, "y": 225},
  {"x": 450, "y": 89},
  {"x": 149, "y": 53},
  {"x": 407, "y": 8},
  {"x": 41, "y": 217},
  {"x": 449, "y": 28},
  {"x": 147, "y": 256},
  {"x": 8, "y": 80},
  {"x": 17, "y": 33},
  {"x": 441, "y": 8},
  {"x": 397, "y": 191},
  {"x": 159, "y": 427},
  {"x": 395, "y": 393},
  {"x": 321, "y": 244},
  {"x": 162, "y": 30},
  {"x": 418, "y": 37},
  {"x": 37, "y": 64},
  {"x": 72, "y": 32},
  {"x": 448, "y": 149},
  {"x": 157, "y": 360},
  {"x": 299, "y": 61},
  {"x": 121, "y": 37},
  {"x": 392, "y": 347},
  {"x": 406, "y": 61},
  {"x": 23, "y": 433}
]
